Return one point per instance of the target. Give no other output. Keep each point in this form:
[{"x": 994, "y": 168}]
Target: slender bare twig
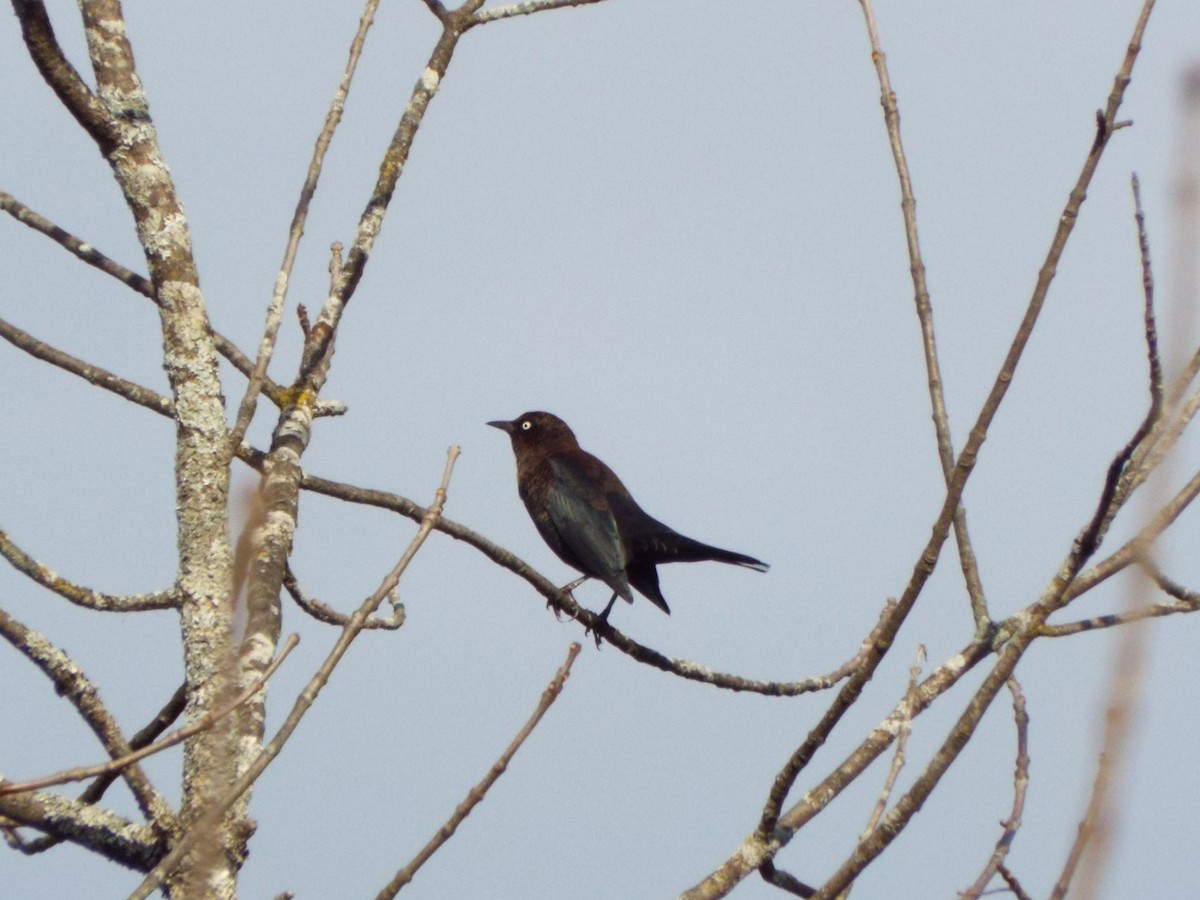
[
  {"x": 62, "y": 77},
  {"x": 1125, "y": 618},
  {"x": 1012, "y": 824},
  {"x": 902, "y": 732},
  {"x": 1125, "y": 475},
  {"x": 95, "y": 375},
  {"x": 1094, "y": 835},
  {"x": 171, "y": 711},
  {"x": 70, "y": 682},
  {"x": 139, "y": 283},
  {"x": 1155, "y": 362},
  {"x": 1013, "y": 885},
  {"x": 765, "y": 841},
  {"x": 477, "y": 793},
  {"x": 296, "y": 231},
  {"x": 80, "y": 249},
  {"x": 81, "y": 596},
  {"x": 1134, "y": 549},
  {"x": 1169, "y": 585},
  {"x": 176, "y": 737},
  {"x": 323, "y": 613},
  {"x": 525, "y": 9},
  {"x": 924, "y": 307},
  {"x": 303, "y": 702}
]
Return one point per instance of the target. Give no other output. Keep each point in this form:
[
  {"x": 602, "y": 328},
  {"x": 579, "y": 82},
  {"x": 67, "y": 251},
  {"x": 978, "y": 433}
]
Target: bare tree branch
[
  {"x": 784, "y": 880},
  {"x": 1012, "y": 824},
  {"x": 306, "y": 699},
  {"x": 1134, "y": 549},
  {"x": 128, "y": 760},
  {"x": 62, "y": 77},
  {"x": 924, "y": 308},
  {"x": 95, "y": 375},
  {"x": 525, "y": 9},
  {"x": 70, "y": 682},
  {"x": 81, "y": 596},
  {"x": 902, "y": 732},
  {"x": 323, "y": 613},
  {"x": 93, "y": 257},
  {"x": 477, "y": 793},
  {"x": 296, "y": 231},
  {"x": 592, "y": 621},
  {"x": 110, "y": 835},
  {"x": 171, "y": 711}
]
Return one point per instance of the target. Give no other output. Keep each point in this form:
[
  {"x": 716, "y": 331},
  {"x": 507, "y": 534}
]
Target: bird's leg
[
  {"x": 566, "y": 589},
  {"x": 603, "y": 617},
  {"x": 608, "y": 609}
]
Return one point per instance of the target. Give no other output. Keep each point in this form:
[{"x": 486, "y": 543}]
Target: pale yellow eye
[{"x": 526, "y": 425}]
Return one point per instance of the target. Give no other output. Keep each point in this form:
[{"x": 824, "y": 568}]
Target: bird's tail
[{"x": 677, "y": 548}]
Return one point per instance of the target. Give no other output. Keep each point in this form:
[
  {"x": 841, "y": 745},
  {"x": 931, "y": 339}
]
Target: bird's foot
[
  {"x": 601, "y": 619},
  {"x": 562, "y": 592}
]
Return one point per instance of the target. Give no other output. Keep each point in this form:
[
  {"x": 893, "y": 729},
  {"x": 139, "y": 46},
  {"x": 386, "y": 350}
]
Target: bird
[{"x": 589, "y": 518}]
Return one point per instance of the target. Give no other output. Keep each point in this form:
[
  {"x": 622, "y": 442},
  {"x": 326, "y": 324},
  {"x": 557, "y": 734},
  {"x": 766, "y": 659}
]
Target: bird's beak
[{"x": 503, "y": 426}]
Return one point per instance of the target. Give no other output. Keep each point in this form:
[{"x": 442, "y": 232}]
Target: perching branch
[{"x": 566, "y": 604}]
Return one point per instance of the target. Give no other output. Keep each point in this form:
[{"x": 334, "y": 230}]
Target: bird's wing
[{"x": 585, "y": 523}]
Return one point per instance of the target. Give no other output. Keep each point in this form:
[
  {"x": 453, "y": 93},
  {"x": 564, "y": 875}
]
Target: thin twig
[
  {"x": 323, "y": 613},
  {"x": 80, "y": 249},
  {"x": 296, "y": 231},
  {"x": 477, "y": 793},
  {"x": 175, "y": 737},
  {"x": 81, "y": 596},
  {"x": 1134, "y": 549},
  {"x": 1094, "y": 834},
  {"x": 1155, "y": 362},
  {"x": 1012, "y": 824},
  {"x": 924, "y": 308},
  {"x": 720, "y": 881},
  {"x": 1125, "y": 618},
  {"x": 1013, "y": 885},
  {"x": 902, "y": 733},
  {"x": 526, "y": 9},
  {"x": 70, "y": 682},
  {"x": 139, "y": 283},
  {"x": 304, "y": 701},
  {"x": 92, "y": 374}
]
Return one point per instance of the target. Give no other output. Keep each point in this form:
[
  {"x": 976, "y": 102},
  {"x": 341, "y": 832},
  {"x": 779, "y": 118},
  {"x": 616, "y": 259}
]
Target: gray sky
[{"x": 675, "y": 224}]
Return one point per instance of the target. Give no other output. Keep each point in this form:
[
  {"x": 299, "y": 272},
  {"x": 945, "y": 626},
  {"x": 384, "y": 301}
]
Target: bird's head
[{"x": 540, "y": 430}]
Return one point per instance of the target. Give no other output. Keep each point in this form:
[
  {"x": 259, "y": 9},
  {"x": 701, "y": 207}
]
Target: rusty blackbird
[{"x": 588, "y": 517}]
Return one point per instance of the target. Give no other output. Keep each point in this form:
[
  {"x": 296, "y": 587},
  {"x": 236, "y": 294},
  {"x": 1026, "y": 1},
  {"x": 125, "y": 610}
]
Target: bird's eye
[{"x": 526, "y": 425}]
